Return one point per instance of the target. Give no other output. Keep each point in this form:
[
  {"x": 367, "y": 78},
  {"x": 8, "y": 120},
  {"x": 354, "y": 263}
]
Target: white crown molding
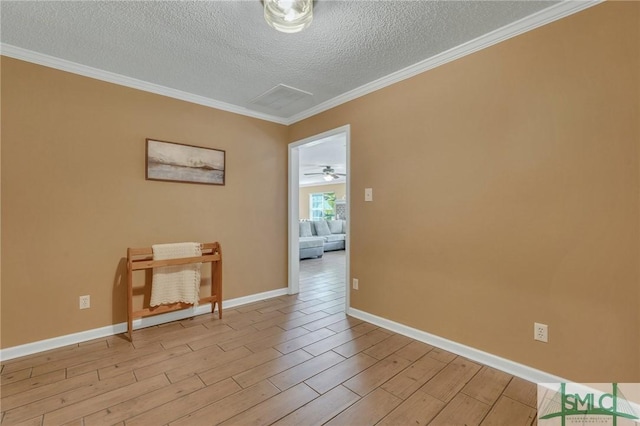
[
  {"x": 122, "y": 80},
  {"x": 503, "y": 364},
  {"x": 110, "y": 330},
  {"x": 543, "y": 17}
]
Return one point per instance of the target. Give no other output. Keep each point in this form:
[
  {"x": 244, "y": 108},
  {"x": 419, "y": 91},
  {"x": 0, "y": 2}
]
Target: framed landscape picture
[{"x": 175, "y": 162}]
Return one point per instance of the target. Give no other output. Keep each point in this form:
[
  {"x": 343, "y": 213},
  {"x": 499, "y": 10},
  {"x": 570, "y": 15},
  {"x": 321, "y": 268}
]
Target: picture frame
[{"x": 176, "y": 162}]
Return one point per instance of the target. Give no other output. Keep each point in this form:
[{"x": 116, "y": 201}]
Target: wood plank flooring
[{"x": 291, "y": 360}]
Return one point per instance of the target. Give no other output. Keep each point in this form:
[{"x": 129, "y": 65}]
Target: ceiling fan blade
[{"x": 327, "y": 171}]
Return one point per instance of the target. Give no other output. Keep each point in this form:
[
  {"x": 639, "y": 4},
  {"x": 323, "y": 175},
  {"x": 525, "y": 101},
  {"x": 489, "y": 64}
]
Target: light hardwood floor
[{"x": 291, "y": 360}]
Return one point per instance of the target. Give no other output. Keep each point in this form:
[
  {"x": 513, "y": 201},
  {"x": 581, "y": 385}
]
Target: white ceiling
[
  {"x": 317, "y": 155},
  {"x": 222, "y": 53}
]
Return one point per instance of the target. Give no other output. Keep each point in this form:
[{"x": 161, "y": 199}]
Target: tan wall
[
  {"x": 510, "y": 196},
  {"x": 339, "y": 188},
  {"x": 74, "y": 197}
]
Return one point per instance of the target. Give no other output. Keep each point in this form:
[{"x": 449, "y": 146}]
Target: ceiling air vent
[{"x": 279, "y": 97}]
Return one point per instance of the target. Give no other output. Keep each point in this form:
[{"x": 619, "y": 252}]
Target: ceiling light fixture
[
  {"x": 288, "y": 16},
  {"x": 328, "y": 178}
]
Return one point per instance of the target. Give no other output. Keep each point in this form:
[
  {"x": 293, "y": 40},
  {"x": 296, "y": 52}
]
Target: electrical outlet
[
  {"x": 541, "y": 332},
  {"x": 85, "y": 302},
  {"x": 355, "y": 283}
]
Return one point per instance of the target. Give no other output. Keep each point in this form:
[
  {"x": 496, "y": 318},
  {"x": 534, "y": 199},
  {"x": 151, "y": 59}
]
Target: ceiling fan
[{"x": 328, "y": 174}]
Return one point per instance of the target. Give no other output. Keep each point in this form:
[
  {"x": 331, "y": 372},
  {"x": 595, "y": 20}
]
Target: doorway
[{"x": 341, "y": 134}]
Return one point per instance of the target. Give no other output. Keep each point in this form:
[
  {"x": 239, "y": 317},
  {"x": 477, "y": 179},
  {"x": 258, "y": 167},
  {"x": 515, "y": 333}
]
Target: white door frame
[{"x": 294, "y": 214}]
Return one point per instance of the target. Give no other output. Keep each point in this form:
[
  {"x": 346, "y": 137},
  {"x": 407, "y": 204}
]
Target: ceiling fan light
[
  {"x": 328, "y": 178},
  {"x": 288, "y": 16}
]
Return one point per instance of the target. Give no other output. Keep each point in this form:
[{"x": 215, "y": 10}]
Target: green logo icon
[{"x": 565, "y": 404}]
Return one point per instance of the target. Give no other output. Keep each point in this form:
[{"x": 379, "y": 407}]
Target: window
[{"x": 322, "y": 205}]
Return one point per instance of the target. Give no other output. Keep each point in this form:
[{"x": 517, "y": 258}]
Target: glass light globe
[{"x": 288, "y": 16}]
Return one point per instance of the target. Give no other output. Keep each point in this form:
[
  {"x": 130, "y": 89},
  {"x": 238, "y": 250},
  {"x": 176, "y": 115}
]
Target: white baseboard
[
  {"x": 511, "y": 367},
  {"x": 110, "y": 330},
  {"x": 508, "y": 366},
  {"x": 245, "y": 300}
]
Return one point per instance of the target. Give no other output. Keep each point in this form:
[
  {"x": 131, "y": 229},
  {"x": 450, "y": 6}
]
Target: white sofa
[{"x": 318, "y": 236}]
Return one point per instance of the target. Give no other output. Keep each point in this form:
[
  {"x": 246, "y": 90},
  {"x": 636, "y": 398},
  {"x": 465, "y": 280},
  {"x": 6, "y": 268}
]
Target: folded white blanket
[{"x": 180, "y": 283}]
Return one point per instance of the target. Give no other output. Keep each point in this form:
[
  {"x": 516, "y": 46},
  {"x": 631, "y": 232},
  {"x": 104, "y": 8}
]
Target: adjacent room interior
[
  {"x": 505, "y": 179},
  {"x": 322, "y": 179}
]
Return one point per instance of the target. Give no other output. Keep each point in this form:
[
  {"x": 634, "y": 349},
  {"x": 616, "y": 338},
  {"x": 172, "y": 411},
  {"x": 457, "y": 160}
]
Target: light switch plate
[{"x": 368, "y": 194}]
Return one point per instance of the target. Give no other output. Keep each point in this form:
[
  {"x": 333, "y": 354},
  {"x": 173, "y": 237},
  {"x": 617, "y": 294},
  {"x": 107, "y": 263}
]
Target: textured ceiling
[{"x": 224, "y": 51}]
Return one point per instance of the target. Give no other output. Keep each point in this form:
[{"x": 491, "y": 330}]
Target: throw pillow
[
  {"x": 322, "y": 228},
  {"x": 335, "y": 226},
  {"x": 305, "y": 229}
]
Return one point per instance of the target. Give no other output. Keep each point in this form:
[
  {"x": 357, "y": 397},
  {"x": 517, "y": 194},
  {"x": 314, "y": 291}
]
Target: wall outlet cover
[
  {"x": 541, "y": 332},
  {"x": 85, "y": 302}
]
